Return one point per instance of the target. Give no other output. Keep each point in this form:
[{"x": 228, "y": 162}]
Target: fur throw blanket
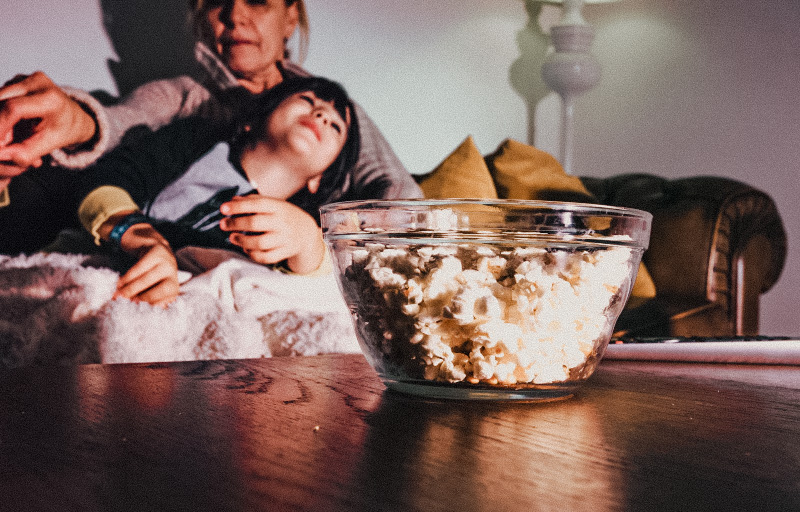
[{"x": 57, "y": 308}]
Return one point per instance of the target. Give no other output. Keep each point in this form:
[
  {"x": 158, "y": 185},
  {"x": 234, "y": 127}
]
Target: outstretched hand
[
  {"x": 37, "y": 117},
  {"x": 272, "y": 230}
]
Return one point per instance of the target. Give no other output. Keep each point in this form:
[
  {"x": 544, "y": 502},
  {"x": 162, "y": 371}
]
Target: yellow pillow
[
  {"x": 521, "y": 171},
  {"x": 643, "y": 288},
  {"x": 515, "y": 171},
  {"x": 463, "y": 174}
]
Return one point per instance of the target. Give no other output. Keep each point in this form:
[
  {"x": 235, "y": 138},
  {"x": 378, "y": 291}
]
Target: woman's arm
[
  {"x": 149, "y": 107},
  {"x": 76, "y": 129}
]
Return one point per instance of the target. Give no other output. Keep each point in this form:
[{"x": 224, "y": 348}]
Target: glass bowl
[{"x": 484, "y": 299}]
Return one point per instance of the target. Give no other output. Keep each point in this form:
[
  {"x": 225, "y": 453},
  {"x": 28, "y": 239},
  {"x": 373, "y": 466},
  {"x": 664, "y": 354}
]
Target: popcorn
[{"x": 484, "y": 314}]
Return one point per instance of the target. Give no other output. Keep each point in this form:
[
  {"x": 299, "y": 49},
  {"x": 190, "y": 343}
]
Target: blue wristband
[{"x": 124, "y": 224}]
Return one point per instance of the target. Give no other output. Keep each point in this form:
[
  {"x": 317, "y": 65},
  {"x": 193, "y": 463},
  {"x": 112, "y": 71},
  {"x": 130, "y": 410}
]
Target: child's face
[{"x": 311, "y": 129}]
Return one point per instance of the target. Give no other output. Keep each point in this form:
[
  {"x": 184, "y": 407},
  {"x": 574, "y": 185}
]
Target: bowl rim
[{"x": 573, "y": 207}]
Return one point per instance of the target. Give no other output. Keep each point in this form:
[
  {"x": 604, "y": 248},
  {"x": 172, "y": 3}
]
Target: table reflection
[{"x": 487, "y": 451}]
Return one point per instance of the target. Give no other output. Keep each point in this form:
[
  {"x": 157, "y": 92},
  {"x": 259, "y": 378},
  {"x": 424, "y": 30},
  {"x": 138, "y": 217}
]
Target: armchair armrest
[{"x": 716, "y": 245}]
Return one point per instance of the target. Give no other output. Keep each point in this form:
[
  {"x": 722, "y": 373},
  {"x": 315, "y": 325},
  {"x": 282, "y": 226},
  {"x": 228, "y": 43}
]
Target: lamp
[{"x": 570, "y": 70}]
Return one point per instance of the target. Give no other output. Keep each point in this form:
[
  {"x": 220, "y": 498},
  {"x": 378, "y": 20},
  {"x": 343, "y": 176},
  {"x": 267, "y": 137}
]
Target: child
[{"x": 257, "y": 191}]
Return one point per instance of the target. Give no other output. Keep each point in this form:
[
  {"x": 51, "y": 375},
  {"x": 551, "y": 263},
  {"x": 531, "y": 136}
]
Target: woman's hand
[
  {"x": 37, "y": 117},
  {"x": 8, "y": 169},
  {"x": 271, "y": 230},
  {"x": 154, "y": 277}
]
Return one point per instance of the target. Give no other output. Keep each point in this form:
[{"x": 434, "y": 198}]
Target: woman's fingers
[
  {"x": 37, "y": 117},
  {"x": 9, "y": 169},
  {"x": 21, "y": 85},
  {"x": 28, "y": 152},
  {"x": 21, "y": 97}
]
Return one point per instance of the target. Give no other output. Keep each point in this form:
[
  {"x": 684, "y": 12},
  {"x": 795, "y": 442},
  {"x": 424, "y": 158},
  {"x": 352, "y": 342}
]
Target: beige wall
[{"x": 689, "y": 86}]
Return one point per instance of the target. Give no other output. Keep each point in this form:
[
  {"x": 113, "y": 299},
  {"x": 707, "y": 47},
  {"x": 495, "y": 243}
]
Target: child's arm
[
  {"x": 272, "y": 230},
  {"x": 154, "y": 277},
  {"x": 146, "y": 167}
]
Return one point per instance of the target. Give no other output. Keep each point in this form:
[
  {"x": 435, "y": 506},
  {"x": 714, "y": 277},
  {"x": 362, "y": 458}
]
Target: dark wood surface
[{"x": 322, "y": 433}]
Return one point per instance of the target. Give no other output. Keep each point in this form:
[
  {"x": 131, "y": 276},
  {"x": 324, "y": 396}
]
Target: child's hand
[
  {"x": 154, "y": 278},
  {"x": 272, "y": 230}
]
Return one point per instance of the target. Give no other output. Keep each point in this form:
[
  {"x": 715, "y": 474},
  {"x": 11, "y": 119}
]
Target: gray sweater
[{"x": 158, "y": 103}]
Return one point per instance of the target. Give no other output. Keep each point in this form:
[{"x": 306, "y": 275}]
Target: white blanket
[{"x": 58, "y": 308}]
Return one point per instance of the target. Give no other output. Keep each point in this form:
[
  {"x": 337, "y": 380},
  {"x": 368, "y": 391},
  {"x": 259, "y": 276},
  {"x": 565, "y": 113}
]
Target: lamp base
[{"x": 571, "y": 70}]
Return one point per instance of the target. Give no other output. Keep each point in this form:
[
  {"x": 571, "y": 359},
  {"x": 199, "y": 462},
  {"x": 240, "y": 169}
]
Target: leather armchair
[{"x": 716, "y": 245}]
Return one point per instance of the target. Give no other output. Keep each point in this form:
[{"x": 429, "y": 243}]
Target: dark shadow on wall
[{"x": 152, "y": 38}]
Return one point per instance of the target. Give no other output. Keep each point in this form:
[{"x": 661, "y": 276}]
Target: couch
[{"x": 716, "y": 244}]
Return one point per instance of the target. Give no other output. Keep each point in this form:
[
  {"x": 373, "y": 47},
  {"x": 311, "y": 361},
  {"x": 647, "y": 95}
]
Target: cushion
[
  {"x": 521, "y": 171},
  {"x": 463, "y": 174},
  {"x": 643, "y": 288},
  {"x": 514, "y": 171}
]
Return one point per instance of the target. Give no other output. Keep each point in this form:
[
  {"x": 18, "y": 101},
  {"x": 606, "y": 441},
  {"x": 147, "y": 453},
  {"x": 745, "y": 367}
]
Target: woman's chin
[{"x": 249, "y": 67}]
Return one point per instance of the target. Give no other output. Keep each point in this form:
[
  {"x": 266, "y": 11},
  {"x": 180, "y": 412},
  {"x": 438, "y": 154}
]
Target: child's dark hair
[{"x": 334, "y": 177}]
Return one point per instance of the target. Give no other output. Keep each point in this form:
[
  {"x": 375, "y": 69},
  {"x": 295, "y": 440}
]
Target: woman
[
  {"x": 242, "y": 44},
  {"x": 258, "y": 192}
]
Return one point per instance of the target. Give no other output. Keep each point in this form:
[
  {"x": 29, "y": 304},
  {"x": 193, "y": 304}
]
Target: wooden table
[{"x": 322, "y": 433}]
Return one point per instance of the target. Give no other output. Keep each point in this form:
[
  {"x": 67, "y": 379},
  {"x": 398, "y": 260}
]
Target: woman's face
[{"x": 250, "y": 35}]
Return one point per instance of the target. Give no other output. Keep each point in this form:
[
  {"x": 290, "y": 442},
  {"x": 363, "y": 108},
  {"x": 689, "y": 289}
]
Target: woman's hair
[
  {"x": 255, "y": 115},
  {"x": 198, "y": 10}
]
